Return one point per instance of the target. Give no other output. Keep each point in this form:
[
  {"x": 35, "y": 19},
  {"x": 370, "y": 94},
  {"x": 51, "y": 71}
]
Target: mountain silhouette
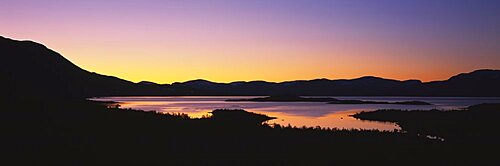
[
  {"x": 29, "y": 69},
  {"x": 476, "y": 83}
]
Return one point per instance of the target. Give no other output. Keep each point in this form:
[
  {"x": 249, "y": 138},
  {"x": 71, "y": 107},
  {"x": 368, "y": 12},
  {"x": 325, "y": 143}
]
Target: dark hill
[
  {"x": 29, "y": 69},
  {"x": 476, "y": 83}
]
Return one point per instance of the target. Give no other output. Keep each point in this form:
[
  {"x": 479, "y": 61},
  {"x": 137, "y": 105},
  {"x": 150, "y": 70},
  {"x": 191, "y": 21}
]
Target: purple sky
[{"x": 262, "y": 39}]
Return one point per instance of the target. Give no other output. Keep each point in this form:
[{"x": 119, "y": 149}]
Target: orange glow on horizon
[
  {"x": 225, "y": 41},
  {"x": 184, "y": 64}
]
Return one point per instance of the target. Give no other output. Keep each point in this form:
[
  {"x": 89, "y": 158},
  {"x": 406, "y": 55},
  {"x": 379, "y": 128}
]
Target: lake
[{"x": 309, "y": 114}]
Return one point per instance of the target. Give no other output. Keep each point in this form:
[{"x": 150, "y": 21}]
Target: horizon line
[
  {"x": 323, "y": 78},
  {"x": 257, "y": 80}
]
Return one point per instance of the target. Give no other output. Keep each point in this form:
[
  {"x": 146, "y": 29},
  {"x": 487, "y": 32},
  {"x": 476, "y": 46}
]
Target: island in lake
[{"x": 328, "y": 100}]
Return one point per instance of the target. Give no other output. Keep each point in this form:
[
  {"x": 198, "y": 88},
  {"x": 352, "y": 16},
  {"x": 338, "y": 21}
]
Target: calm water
[{"x": 294, "y": 113}]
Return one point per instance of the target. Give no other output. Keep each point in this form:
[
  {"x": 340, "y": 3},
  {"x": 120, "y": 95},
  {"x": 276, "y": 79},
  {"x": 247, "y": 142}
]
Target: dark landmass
[
  {"x": 93, "y": 133},
  {"x": 239, "y": 116},
  {"x": 29, "y": 70},
  {"x": 475, "y": 123},
  {"x": 324, "y": 99}
]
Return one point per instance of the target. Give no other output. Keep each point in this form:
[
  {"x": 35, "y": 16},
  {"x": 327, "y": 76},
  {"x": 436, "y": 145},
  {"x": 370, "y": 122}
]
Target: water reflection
[{"x": 294, "y": 113}]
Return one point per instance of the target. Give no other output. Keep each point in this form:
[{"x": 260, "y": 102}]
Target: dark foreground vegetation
[
  {"x": 330, "y": 100},
  {"x": 90, "y": 133}
]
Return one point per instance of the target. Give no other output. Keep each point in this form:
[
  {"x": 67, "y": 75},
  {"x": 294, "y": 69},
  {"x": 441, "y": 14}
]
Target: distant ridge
[
  {"x": 477, "y": 83},
  {"x": 29, "y": 69}
]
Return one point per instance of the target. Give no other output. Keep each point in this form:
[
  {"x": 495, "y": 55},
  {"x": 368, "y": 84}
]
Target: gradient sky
[{"x": 273, "y": 40}]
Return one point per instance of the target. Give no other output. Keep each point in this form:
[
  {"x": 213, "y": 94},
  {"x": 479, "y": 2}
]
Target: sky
[{"x": 272, "y": 40}]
